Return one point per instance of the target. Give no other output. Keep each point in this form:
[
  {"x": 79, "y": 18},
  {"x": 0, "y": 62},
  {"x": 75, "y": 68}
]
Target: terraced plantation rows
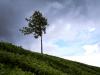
[{"x": 15, "y": 60}]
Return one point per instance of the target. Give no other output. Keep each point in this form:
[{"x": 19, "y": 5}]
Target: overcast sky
[{"x": 73, "y": 32}]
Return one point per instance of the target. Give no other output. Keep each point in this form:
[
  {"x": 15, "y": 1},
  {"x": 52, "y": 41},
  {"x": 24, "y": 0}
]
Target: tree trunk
[{"x": 41, "y": 46}]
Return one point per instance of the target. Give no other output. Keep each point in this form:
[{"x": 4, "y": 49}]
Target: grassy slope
[{"x": 17, "y": 61}]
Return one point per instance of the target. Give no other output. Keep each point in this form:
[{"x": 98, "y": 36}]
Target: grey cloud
[
  {"x": 71, "y": 9},
  {"x": 13, "y": 12}
]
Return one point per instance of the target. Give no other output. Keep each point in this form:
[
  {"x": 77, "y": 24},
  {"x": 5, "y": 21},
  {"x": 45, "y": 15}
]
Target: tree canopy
[{"x": 37, "y": 24}]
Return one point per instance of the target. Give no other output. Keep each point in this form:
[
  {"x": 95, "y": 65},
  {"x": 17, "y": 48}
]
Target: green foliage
[
  {"x": 15, "y": 60},
  {"x": 36, "y": 25},
  {"x": 8, "y": 70}
]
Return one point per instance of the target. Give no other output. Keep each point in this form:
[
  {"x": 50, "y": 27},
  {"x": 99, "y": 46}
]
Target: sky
[{"x": 73, "y": 32}]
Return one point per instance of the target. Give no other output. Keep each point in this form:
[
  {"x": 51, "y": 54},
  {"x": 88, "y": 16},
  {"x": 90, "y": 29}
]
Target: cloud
[
  {"x": 12, "y": 17},
  {"x": 13, "y": 13},
  {"x": 73, "y": 30},
  {"x": 90, "y": 49},
  {"x": 92, "y": 59},
  {"x": 55, "y": 5},
  {"x": 90, "y": 56},
  {"x": 61, "y": 29},
  {"x": 92, "y": 29}
]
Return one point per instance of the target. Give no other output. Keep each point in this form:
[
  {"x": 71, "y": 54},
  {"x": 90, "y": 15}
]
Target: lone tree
[{"x": 36, "y": 25}]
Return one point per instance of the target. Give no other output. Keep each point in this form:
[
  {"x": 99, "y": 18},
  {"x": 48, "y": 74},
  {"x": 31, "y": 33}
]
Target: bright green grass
[{"x": 15, "y": 60}]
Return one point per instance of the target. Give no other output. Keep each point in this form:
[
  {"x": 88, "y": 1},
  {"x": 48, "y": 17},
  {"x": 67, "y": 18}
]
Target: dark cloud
[
  {"x": 71, "y": 9},
  {"x": 13, "y": 13}
]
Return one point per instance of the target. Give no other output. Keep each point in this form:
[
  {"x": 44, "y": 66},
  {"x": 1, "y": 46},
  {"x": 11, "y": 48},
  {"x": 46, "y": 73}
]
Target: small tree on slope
[{"x": 36, "y": 25}]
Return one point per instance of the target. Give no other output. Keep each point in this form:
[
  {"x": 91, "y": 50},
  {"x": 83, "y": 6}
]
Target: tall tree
[{"x": 37, "y": 24}]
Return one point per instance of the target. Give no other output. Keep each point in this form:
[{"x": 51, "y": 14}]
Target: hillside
[{"x": 15, "y": 60}]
